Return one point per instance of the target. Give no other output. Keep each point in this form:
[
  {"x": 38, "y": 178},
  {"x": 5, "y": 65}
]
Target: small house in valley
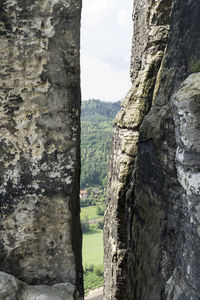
[{"x": 83, "y": 194}]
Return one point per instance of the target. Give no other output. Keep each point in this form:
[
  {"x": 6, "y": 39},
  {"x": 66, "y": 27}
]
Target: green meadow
[
  {"x": 93, "y": 248},
  {"x": 90, "y": 212},
  {"x": 92, "y": 252},
  {"x": 93, "y": 259}
]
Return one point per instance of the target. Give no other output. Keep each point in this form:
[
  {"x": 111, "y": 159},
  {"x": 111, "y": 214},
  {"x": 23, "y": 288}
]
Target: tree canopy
[{"x": 96, "y": 135}]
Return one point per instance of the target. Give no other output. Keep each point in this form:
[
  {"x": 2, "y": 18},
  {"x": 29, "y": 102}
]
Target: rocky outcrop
[
  {"x": 184, "y": 282},
  {"x": 152, "y": 222},
  {"x": 151, "y": 226},
  {"x": 14, "y": 289},
  {"x": 151, "y": 28},
  {"x": 40, "y": 234}
]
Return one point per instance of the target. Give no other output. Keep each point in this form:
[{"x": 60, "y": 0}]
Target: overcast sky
[{"x": 105, "y": 48}]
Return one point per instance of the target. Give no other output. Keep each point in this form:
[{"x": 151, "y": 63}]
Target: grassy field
[
  {"x": 90, "y": 212},
  {"x": 93, "y": 248},
  {"x": 92, "y": 255},
  {"x": 92, "y": 251}
]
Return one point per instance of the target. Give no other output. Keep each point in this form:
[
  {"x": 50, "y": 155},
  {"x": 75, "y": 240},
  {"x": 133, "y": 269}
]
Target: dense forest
[{"x": 96, "y": 134}]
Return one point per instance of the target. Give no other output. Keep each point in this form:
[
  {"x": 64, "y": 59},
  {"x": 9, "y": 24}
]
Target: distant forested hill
[
  {"x": 96, "y": 135},
  {"x": 96, "y": 110}
]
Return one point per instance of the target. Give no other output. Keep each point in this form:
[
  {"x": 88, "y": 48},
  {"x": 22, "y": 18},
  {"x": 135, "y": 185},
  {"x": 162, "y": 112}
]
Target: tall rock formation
[
  {"x": 152, "y": 220},
  {"x": 40, "y": 234}
]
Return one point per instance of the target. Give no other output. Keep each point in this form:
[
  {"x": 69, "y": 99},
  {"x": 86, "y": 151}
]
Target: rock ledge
[{"x": 13, "y": 289}]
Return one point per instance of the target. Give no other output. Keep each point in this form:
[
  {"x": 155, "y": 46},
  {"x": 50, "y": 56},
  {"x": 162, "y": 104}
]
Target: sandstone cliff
[
  {"x": 152, "y": 222},
  {"x": 40, "y": 234},
  {"x": 152, "y": 219}
]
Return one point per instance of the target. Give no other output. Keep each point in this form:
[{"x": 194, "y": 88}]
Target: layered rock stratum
[
  {"x": 40, "y": 233},
  {"x": 151, "y": 229}
]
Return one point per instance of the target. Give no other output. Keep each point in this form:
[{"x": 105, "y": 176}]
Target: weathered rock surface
[
  {"x": 151, "y": 28},
  {"x": 184, "y": 282},
  {"x": 13, "y": 289},
  {"x": 40, "y": 234},
  {"x": 152, "y": 219}
]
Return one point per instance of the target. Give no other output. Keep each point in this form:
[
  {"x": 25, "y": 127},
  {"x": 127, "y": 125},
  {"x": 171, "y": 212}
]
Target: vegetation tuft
[{"x": 195, "y": 65}]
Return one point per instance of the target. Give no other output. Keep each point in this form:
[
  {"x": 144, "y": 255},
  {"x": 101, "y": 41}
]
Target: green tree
[
  {"x": 100, "y": 224},
  {"x": 85, "y": 225},
  {"x": 100, "y": 211},
  {"x": 96, "y": 128}
]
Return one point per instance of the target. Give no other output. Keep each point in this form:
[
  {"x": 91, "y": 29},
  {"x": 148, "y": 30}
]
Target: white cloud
[
  {"x": 105, "y": 48},
  {"x": 123, "y": 18},
  {"x": 95, "y": 10},
  {"x": 101, "y": 81}
]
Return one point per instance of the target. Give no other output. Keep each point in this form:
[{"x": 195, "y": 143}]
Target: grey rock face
[
  {"x": 40, "y": 234},
  {"x": 151, "y": 28},
  {"x": 161, "y": 230},
  {"x": 184, "y": 283},
  {"x": 151, "y": 227},
  {"x": 13, "y": 289}
]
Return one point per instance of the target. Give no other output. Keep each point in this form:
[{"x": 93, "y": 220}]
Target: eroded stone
[
  {"x": 40, "y": 233},
  {"x": 13, "y": 289}
]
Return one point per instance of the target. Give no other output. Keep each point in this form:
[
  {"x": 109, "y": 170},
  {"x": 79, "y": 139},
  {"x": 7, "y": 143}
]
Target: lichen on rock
[
  {"x": 152, "y": 218},
  {"x": 150, "y": 38},
  {"x": 40, "y": 233}
]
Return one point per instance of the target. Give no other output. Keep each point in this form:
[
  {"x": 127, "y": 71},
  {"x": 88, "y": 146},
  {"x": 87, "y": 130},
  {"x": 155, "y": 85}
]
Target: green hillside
[
  {"x": 97, "y": 111},
  {"x": 96, "y": 135}
]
